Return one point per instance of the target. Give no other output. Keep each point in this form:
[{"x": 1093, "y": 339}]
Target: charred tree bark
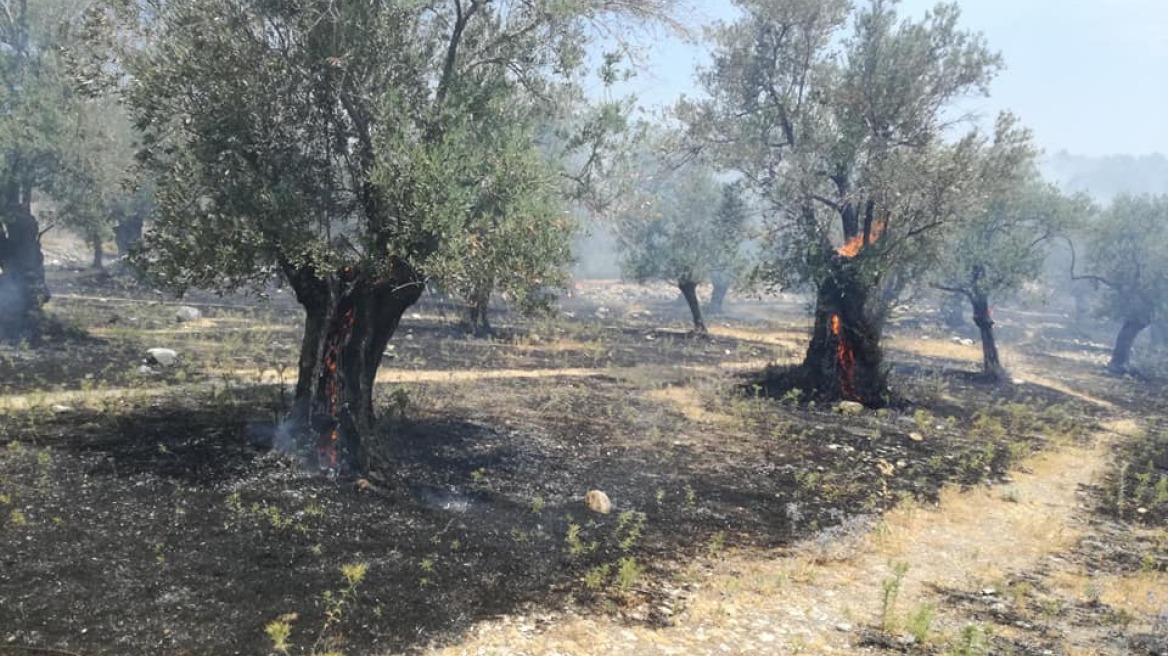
[
  {"x": 845, "y": 360},
  {"x": 721, "y": 285},
  {"x": 690, "y": 294},
  {"x": 350, "y": 315},
  {"x": 1121, "y": 355},
  {"x": 983, "y": 319},
  {"x": 23, "y": 291}
]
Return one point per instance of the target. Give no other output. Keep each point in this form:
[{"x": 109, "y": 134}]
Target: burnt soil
[{"x": 160, "y": 521}]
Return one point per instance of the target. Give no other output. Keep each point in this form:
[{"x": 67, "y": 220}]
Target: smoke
[
  {"x": 596, "y": 253},
  {"x": 13, "y": 302}
]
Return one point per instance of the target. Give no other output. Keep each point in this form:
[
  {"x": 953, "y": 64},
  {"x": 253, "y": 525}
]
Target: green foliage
[
  {"x": 278, "y": 631},
  {"x": 890, "y": 591},
  {"x": 628, "y": 572},
  {"x": 974, "y": 640},
  {"x": 1012, "y": 224},
  {"x": 36, "y": 126},
  {"x": 1126, "y": 244},
  {"x": 919, "y": 623},
  {"x": 681, "y": 225},
  {"x": 850, "y": 136},
  {"x": 1137, "y": 489},
  {"x": 323, "y": 134}
]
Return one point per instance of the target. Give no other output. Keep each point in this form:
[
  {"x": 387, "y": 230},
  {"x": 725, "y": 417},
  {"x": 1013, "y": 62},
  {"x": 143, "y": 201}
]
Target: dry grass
[
  {"x": 690, "y": 403},
  {"x": 936, "y": 348},
  {"x": 749, "y": 603}
]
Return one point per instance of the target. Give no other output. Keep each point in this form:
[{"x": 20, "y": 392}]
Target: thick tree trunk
[
  {"x": 1121, "y": 355},
  {"x": 721, "y": 285},
  {"x": 23, "y": 291},
  {"x": 98, "y": 253},
  {"x": 844, "y": 359},
  {"x": 690, "y": 294},
  {"x": 991, "y": 362},
  {"x": 478, "y": 323},
  {"x": 350, "y": 316}
]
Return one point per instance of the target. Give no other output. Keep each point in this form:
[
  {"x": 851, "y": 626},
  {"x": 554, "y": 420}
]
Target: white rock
[
  {"x": 162, "y": 356},
  {"x": 598, "y": 502},
  {"x": 186, "y": 313},
  {"x": 60, "y": 409},
  {"x": 850, "y": 408}
]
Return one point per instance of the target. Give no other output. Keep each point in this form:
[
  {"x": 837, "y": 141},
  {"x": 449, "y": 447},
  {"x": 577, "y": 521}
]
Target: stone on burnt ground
[
  {"x": 162, "y": 356},
  {"x": 598, "y": 502},
  {"x": 187, "y": 313}
]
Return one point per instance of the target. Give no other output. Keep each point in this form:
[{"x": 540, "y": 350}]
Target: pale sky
[{"x": 1088, "y": 76}]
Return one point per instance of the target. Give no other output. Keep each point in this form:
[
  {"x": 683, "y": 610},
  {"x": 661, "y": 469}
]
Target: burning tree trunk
[
  {"x": 1121, "y": 355},
  {"x": 844, "y": 360},
  {"x": 23, "y": 291},
  {"x": 350, "y": 316},
  {"x": 689, "y": 293},
  {"x": 983, "y": 318}
]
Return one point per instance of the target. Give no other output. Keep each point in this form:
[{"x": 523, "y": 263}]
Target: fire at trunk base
[{"x": 845, "y": 359}]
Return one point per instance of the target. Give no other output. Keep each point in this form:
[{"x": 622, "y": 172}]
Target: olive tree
[
  {"x": 684, "y": 227},
  {"x": 353, "y": 146},
  {"x": 37, "y": 107},
  {"x": 848, "y": 139},
  {"x": 1126, "y": 246},
  {"x": 1006, "y": 242}
]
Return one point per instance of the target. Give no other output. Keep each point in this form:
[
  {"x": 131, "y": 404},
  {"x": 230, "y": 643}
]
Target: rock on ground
[
  {"x": 162, "y": 356},
  {"x": 187, "y": 313}
]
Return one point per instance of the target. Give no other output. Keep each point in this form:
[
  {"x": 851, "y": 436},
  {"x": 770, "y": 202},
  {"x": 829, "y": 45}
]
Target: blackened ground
[{"x": 154, "y": 525}]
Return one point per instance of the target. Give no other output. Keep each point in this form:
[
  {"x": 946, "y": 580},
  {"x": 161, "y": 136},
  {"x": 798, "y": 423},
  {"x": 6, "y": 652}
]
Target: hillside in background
[{"x": 1106, "y": 177}]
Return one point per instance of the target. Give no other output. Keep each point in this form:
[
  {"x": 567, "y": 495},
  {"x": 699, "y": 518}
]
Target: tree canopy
[
  {"x": 681, "y": 225},
  {"x": 851, "y": 141},
  {"x": 1125, "y": 255},
  {"x": 357, "y": 147}
]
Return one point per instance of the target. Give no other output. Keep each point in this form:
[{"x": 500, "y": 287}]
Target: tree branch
[{"x": 1074, "y": 276}]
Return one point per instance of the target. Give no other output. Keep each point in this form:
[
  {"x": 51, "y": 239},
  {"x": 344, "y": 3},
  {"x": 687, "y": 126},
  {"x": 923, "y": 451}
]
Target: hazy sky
[{"x": 1088, "y": 76}]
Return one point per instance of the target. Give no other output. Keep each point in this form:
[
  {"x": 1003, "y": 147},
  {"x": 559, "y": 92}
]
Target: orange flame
[
  {"x": 845, "y": 358},
  {"x": 328, "y": 446},
  {"x": 853, "y": 246}
]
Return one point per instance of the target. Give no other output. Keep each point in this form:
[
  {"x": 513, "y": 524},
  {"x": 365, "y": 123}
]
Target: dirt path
[{"x": 827, "y": 595}]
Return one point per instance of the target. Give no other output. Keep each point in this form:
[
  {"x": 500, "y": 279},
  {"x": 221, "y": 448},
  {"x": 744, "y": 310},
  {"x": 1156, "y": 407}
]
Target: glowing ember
[
  {"x": 845, "y": 358},
  {"x": 852, "y": 247},
  {"x": 328, "y": 446}
]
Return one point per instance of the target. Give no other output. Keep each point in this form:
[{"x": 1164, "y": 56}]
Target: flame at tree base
[
  {"x": 328, "y": 447},
  {"x": 845, "y": 359}
]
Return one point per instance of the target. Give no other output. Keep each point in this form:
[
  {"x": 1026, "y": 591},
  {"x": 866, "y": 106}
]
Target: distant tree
[
  {"x": 1004, "y": 245},
  {"x": 521, "y": 244},
  {"x": 37, "y": 108},
  {"x": 1125, "y": 255},
  {"x": 684, "y": 227},
  {"x": 847, "y": 141},
  {"x": 518, "y": 235},
  {"x": 731, "y": 260},
  {"x": 350, "y": 145},
  {"x": 99, "y": 191}
]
